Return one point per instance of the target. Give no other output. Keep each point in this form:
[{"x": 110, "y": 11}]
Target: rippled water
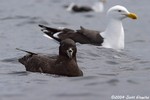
[{"x": 106, "y": 72}]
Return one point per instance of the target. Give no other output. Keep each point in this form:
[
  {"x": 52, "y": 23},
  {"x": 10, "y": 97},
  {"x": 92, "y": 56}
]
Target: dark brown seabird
[
  {"x": 77, "y": 8},
  {"x": 64, "y": 64},
  {"x": 97, "y": 7},
  {"x": 112, "y": 37}
]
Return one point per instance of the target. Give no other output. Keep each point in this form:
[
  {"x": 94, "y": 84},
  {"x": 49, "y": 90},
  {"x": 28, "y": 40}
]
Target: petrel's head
[
  {"x": 68, "y": 48},
  {"x": 120, "y": 12}
]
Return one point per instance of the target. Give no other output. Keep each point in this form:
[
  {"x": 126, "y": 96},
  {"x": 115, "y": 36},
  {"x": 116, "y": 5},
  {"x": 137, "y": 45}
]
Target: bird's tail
[
  {"x": 31, "y": 53},
  {"x": 50, "y": 32},
  {"x": 49, "y": 29},
  {"x": 24, "y": 59}
]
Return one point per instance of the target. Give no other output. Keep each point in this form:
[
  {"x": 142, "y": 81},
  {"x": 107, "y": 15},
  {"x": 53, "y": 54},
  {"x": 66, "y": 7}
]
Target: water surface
[{"x": 106, "y": 72}]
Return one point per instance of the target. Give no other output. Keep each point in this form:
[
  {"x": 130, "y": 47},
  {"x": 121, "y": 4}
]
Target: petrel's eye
[{"x": 119, "y": 10}]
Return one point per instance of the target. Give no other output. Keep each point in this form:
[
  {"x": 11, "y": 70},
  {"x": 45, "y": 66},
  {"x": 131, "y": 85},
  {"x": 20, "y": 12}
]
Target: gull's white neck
[{"x": 113, "y": 35}]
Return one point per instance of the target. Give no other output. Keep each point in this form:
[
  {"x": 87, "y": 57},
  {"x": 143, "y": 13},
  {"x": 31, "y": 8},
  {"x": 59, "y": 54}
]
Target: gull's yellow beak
[{"x": 132, "y": 15}]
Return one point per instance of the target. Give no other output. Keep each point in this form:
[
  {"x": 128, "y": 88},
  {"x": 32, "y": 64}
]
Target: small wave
[
  {"x": 10, "y": 60},
  {"x": 19, "y": 73},
  {"x": 113, "y": 82}
]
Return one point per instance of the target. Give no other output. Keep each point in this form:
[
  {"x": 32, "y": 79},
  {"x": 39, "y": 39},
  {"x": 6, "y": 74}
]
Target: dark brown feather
[{"x": 83, "y": 36}]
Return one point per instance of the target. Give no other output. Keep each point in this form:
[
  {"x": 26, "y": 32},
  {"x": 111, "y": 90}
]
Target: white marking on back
[
  {"x": 45, "y": 35},
  {"x": 56, "y": 34},
  {"x": 61, "y": 28},
  {"x": 44, "y": 30}
]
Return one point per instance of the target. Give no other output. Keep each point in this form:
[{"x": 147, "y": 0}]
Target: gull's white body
[{"x": 113, "y": 35}]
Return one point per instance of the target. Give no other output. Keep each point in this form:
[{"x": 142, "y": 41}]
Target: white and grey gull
[{"x": 111, "y": 37}]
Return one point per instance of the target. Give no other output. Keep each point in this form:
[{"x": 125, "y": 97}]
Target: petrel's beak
[
  {"x": 70, "y": 52},
  {"x": 132, "y": 15}
]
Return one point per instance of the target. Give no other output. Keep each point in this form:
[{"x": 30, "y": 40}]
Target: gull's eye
[{"x": 119, "y": 11}]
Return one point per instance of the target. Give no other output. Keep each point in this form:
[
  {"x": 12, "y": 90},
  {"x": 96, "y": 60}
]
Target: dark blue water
[{"x": 107, "y": 73}]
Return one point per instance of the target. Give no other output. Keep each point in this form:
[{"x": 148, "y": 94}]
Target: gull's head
[{"x": 120, "y": 13}]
